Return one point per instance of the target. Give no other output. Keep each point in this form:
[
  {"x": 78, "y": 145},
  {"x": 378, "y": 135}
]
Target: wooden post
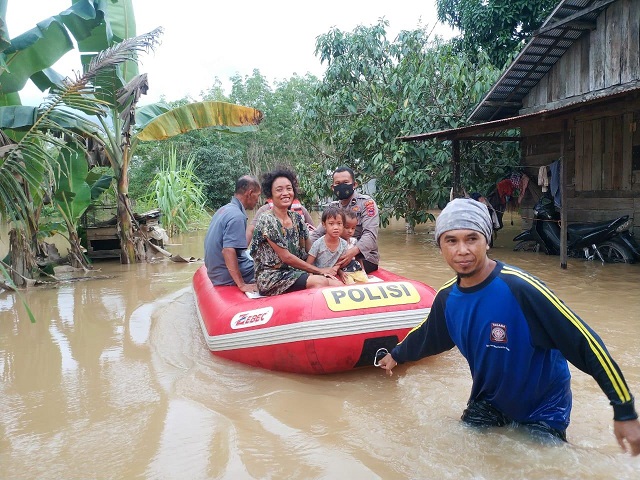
[
  {"x": 457, "y": 187},
  {"x": 563, "y": 197}
]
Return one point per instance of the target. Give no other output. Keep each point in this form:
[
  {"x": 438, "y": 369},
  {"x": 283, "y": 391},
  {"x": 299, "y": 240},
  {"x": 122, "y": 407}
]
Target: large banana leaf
[
  {"x": 82, "y": 18},
  {"x": 73, "y": 194},
  {"x": 118, "y": 25},
  {"x": 5, "y": 41},
  {"x": 148, "y": 113},
  {"x": 98, "y": 183},
  {"x": 27, "y": 55},
  {"x": 9, "y": 98},
  {"x": 33, "y": 51},
  {"x": 16, "y": 117},
  {"x": 217, "y": 115},
  {"x": 46, "y": 79},
  {"x": 23, "y": 117}
]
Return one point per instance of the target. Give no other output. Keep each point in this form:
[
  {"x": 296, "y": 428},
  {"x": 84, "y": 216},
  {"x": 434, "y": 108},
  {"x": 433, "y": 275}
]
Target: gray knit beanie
[{"x": 464, "y": 214}]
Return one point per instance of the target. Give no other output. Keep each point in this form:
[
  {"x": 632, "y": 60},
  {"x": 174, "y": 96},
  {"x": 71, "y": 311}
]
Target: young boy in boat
[
  {"x": 326, "y": 250},
  {"x": 353, "y": 272}
]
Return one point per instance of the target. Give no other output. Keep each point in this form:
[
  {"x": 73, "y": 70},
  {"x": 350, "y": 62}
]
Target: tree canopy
[
  {"x": 221, "y": 159},
  {"x": 376, "y": 90},
  {"x": 498, "y": 27}
]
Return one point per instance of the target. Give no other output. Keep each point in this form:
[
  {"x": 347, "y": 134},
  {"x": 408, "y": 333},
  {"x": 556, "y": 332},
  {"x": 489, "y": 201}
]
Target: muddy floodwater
[{"x": 114, "y": 380}]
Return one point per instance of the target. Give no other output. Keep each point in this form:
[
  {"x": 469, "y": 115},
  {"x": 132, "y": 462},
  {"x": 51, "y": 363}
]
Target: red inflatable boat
[{"x": 321, "y": 330}]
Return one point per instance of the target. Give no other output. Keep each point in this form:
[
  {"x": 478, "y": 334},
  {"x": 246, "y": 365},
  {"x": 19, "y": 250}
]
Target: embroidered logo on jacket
[{"x": 498, "y": 333}]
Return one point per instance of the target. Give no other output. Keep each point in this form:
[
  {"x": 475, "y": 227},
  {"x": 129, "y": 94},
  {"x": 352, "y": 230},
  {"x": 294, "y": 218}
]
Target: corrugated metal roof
[{"x": 567, "y": 23}]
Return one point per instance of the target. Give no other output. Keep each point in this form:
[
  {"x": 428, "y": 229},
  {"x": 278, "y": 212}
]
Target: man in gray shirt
[{"x": 226, "y": 242}]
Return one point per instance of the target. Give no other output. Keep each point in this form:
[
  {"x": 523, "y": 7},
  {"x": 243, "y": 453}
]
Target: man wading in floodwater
[{"x": 516, "y": 335}]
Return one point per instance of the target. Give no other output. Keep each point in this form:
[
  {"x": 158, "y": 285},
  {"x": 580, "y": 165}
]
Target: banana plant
[
  {"x": 66, "y": 113},
  {"x": 32, "y": 54},
  {"x": 125, "y": 127},
  {"x": 118, "y": 127},
  {"x": 75, "y": 188},
  {"x": 25, "y": 156}
]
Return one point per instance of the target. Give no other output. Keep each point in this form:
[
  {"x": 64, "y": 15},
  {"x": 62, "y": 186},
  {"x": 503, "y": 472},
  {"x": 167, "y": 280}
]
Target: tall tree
[
  {"x": 281, "y": 140},
  {"x": 498, "y": 27},
  {"x": 54, "y": 135},
  {"x": 22, "y": 173},
  {"x": 221, "y": 158}
]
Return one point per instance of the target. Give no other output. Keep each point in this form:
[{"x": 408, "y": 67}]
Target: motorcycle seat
[{"x": 582, "y": 229}]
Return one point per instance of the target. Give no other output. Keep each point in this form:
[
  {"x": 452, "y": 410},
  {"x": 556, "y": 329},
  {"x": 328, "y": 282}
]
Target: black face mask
[{"x": 343, "y": 190}]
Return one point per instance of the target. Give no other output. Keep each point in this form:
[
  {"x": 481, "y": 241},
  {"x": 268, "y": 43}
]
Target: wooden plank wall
[
  {"x": 599, "y": 209},
  {"x": 605, "y": 57},
  {"x": 604, "y": 152},
  {"x": 601, "y": 181}
]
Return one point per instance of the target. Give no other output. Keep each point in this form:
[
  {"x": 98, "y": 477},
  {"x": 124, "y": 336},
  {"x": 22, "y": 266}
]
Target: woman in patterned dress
[{"x": 281, "y": 241}]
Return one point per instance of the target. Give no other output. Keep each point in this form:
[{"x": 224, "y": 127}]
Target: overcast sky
[{"x": 204, "y": 39}]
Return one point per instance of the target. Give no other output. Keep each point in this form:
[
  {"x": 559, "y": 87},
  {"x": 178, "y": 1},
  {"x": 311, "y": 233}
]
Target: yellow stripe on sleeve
[{"x": 602, "y": 356}]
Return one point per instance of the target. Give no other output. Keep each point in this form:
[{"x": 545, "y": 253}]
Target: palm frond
[
  {"x": 126, "y": 50},
  {"x": 79, "y": 93}
]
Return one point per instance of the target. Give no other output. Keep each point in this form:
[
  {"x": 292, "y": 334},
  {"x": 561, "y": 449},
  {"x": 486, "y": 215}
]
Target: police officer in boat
[{"x": 365, "y": 208}]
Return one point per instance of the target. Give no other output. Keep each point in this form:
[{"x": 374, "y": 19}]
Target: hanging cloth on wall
[
  {"x": 543, "y": 178},
  {"x": 505, "y": 190},
  {"x": 524, "y": 183}
]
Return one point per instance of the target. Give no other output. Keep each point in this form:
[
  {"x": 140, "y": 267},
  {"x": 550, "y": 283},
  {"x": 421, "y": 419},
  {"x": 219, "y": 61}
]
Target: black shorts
[
  {"x": 299, "y": 284},
  {"x": 482, "y": 414}
]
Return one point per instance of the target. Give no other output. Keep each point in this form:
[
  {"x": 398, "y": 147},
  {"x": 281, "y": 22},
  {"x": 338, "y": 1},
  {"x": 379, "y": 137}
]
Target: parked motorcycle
[{"x": 610, "y": 241}]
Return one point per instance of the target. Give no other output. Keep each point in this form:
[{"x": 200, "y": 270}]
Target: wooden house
[{"x": 574, "y": 94}]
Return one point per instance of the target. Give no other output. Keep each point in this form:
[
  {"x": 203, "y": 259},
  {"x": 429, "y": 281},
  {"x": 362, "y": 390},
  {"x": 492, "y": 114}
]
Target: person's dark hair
[
  {"x": 245, "y": 183},
  {"x": 476, "y": 196},
  {"x": 332, "y": 211},
  {"x": 349, "y": 214},
  {"x": 269, "y": 177},
  {"x": 344, "y": 168}
]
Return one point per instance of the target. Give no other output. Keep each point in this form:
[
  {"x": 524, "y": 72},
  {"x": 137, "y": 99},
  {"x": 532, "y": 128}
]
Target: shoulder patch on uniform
[{"x": 370, "y": 207}]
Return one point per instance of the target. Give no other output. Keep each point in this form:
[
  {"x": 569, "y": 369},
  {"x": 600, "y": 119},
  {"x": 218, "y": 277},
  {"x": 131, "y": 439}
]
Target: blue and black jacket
[{"x": 517, "y": 337}]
